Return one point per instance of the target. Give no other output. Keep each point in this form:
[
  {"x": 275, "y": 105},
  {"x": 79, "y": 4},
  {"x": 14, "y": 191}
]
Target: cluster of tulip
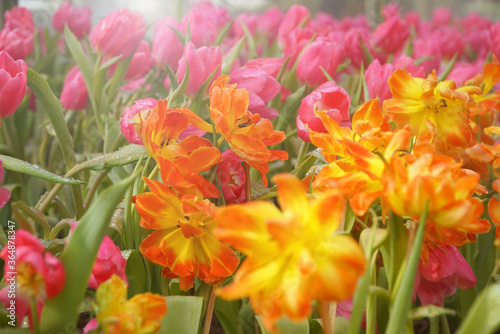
[{"x": 281, "y": 171}]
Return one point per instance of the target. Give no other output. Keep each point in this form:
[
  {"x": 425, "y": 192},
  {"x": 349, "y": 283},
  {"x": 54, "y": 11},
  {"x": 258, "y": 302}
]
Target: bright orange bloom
[
  {"x": 294, "y": 256},
  {"x": 180, "y": 161},
  {"x": 432, "y": 107},
  {"x": 453, "y": 216},
  {"x": 115, "y": 314},
  {"x": 358, "y": 157},
  {"x": 182, "y": 241},
  {"x": 494, "y": 211},
  {"x": 248, "y": 134}
]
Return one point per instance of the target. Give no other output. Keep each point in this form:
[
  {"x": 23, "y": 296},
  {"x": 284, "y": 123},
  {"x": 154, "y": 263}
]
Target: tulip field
[{"x": 276, "y": 172}]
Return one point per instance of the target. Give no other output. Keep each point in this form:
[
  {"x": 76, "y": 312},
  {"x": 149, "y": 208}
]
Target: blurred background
[{"x": 156, "y": 9}]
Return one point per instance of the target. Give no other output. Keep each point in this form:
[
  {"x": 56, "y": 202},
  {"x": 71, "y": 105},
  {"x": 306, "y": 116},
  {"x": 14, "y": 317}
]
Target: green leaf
[
  {"x": 79, "y": 257},
  {"x": 430, "y": 311},
  {"x": 183, "y": 315},
  {"x": 81, "y": 59},
  {"x": 109, "y": 62},
  {"x": 221, "y": 36},
  {"x": 483, "y": 315},
  {"x": 136, "y": 272},
  {"x": 24, "y": 167},
  {"x": 251, "y": 42},
  {"x": 227, "y": 312},
  {"x": 230, "y": 57},
  {"x": 179, "y": 90},
  {"x": 448, "y": 68},
  {"x": 381, "y": 235},
  {"x": 125, "y": 155},
  {"x": 53, "y": 109},
  {"x": 400, "y": 308},
  {"x": 289, "y": 112}
]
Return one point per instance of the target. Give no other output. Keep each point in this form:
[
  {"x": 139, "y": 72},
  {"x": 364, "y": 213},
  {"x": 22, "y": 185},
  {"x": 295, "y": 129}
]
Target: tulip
[
  {"x": 322, "y": 53},
  {"x": 141, "y": 63},
  {"x": 271, "y": 65},
  {"x": 131, "y": 123},
  {"x": 118, "y": 33},
  {"x": 202, "y": 62},
  {"x": 109, "y": 262},
  {"x": 328, "y": 97},
  {"x": 205, "y": 20},
  {"x": 445, "y": 271},
  {"x": 495, "y": 39},
  {"x": 294, "y": 17},
  {"x": 232, "y": 178},
  {"x": 12, "y": 83},
  {"x": 38, "y": 275},
  {"x": 74, "y": 94},
  {"x": 391, "y": 35},
  {"x": 77, "y": 19},
  {"x": 19, "y": 18},
  {"x": 167, "y": 47},
  {"x": 269, "y": 23},
  {"x": 17, "y": 42}
]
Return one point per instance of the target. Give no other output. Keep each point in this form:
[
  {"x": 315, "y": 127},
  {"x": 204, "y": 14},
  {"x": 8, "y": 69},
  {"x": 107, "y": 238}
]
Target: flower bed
[{"x": 274, "y": 172}]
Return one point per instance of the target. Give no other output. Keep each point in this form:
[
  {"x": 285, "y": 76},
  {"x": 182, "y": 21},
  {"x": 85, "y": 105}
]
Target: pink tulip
[
  {"x": 38, "y": 274},
  {"x": 118, "y": 33},
  {"x": 140, "y": 64},
  {"x": 446, "y": 271},
  {"x": 202, "y": 62},
  {"x": 17, "y": 42},
  {"x": 449, "y": 41},
  {"x": 167, "y": 47},
  {"x": 324, "y": 24},
  {"x": 295, "y": 42},
  {"x": 294, "y": 17},
  {"x": 205, "y": 20},
  {"x": 131, "y": 123},
  {"x": 353, "y": 47},
  {"x": 441, "y": 17},
  {"x": 12, "y": 83},
  {"x": 262, "y": 88},
  {"x": 74, "y": 94},
  {"x": 464, "y": 70},
  {"x": 271, "y": 65},
  {"x": 495, "y": 39},
  {"x": 424, "y": 47},
  {"x": 322, "y": 53},
  {"x": 109, "y": 262},
  {"x": 269, "y": 23},
  {"x": 232, "y": 178},
  {"x": 390, "y": 36},
  {"x": 19, "y": 18},
  {"x": 77, "y": 19},
  {"x": 328, "y": 97},
  {"x": 250, "y": 21},
  {"x": 390, "y": 10},
  {"x": 377, "y": 75}
]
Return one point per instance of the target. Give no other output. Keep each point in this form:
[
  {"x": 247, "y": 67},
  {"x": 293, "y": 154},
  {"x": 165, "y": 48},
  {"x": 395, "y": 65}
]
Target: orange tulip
[
  {"x": 183, "y": 242},
  {"x": 180, "y": 161},
  {"x": 293, "y": 256},
  {"x": 248, "y": 134}
]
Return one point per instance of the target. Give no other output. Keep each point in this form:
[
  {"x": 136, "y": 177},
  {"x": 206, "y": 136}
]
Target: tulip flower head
[
  {"x": 115, "y": 314},
  {"x": 12, "y": 83},
  {"x": 292, "y": 255}
]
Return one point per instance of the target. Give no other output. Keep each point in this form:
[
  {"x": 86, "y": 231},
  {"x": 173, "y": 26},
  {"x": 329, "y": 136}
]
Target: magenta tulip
[{"x": 12, "y": 83}]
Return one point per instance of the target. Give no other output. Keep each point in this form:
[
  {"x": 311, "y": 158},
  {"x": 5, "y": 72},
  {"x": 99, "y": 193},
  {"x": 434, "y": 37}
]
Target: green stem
[
  {"x": 267, "y": 196},
  {"x": 302, "y": 153},
  {"x": 210, "y": 311},
  {"x": 402, "y": 302},
  {"x": 34, "y": 316},
  {"x": 93, "y": 189},
  {"x": 434, "y": 324},
  {"x": 444, "y": 324}
]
